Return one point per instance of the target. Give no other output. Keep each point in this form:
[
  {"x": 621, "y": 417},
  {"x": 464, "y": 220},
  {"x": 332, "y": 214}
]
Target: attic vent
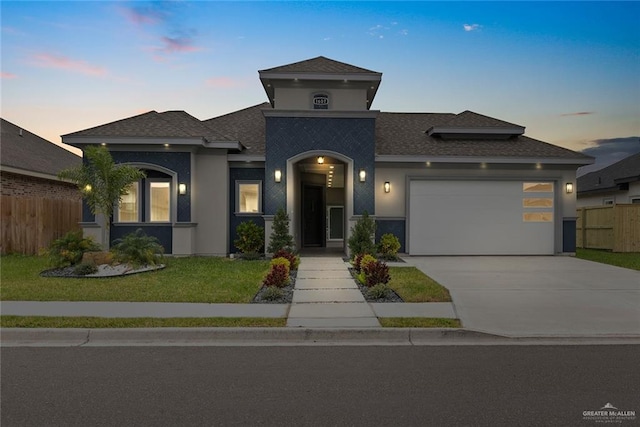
[{"x": 320, "y": 101}]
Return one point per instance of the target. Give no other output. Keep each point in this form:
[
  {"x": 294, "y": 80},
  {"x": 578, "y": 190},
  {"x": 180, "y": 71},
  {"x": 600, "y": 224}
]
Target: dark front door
[{"x": 313, "y": 215}]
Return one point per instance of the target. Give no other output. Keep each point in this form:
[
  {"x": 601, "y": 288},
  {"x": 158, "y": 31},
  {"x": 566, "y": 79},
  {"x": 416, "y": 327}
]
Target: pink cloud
[
  {"x": 223, "y": 82},
  {"x": 178, "y": 44},
  {"x": 141, "y": 16},
  {"x": 579, "y": 113},
  {"x": 5, "y": 75},
  {"x": 47, "y": 60}
]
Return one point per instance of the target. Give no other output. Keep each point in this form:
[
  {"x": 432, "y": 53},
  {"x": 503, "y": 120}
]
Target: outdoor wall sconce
[
  {"x": 88, "y": 188},
  {"x": 278, "y": 175},
  {"x": 320, "y": 160},
  {"x": 569, "y": 187},
  {"x": 387, "y": 187},
  {"x": 363, "y": 175},
  {"x": 182, "y": 189}
]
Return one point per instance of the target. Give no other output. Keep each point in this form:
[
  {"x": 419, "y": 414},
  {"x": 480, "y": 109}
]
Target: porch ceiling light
[
  {"x": 569, "y": 187},
  {"x": 363, "y": 175},
  {"x": 320, "y": 160},
  {"x": 278, "y": 175},
  {"x": 182, "y": 188},
  {"x": 387, "y": 187}
]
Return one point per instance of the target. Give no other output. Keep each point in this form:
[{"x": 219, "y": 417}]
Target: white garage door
[{"x": 481, "y": 218}]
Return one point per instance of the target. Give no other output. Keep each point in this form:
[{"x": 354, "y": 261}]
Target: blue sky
[{"x": 568, "y": 71}]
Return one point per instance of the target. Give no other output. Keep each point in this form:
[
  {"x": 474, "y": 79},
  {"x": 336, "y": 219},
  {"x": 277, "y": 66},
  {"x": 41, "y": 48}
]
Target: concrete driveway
[{"x": 539, "y": 296}]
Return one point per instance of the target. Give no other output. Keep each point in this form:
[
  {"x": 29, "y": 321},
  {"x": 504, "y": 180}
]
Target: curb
[{"x": 21, "y": 337}]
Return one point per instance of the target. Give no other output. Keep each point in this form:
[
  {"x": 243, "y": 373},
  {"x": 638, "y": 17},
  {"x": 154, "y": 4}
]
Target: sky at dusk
[{"x": 569, "y": 71}]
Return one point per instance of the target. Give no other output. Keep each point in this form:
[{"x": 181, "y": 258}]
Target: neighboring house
[
  {"x": 443, "y": 183},
  {"x": 617, "y": 183},
  {"x": 29, "y": 165}
]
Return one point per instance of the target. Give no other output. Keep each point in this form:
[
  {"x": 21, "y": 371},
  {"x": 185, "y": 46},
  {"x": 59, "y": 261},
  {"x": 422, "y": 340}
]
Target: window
[
  {"x": 539, "y": 202},
  {"x": 607, "y": 201},
  {"x": 635, "y": 200},
  {"x": 537, "y": 216},
  {"x": 248, "y": 196},
  {"x": 335, "y": 219},
  {"x": 129, "y": 208},
  {"x": 159, "y": 200},
  {"x": 532, "y": 205},
  {"x": 537, "y": 187}
]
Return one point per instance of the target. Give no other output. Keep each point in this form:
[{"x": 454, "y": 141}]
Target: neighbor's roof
[
  {"x": 610, "y": 178},
  {"x": 318, "y": 65},
  {"x": 31, "y": 153},
  {"x": 170, "y": 124}
]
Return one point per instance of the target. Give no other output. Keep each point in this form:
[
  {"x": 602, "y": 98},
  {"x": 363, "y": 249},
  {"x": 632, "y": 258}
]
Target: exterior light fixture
[
  {"x": 166, "y": 145},
  {"x": 569, "y": 187},
  {"x": 278, "y": 175},
  {"x": 320, "y": 160},
  {"x": 363, "y": 175},
  {"x": 387, "y": 187},
  {"x": 182, "y": 189},
  {"x": 88, "y": 188},
  {"x": 104, "y": 144}
]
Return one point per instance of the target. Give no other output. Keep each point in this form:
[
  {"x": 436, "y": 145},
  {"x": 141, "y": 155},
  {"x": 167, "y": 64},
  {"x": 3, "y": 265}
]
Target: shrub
[
  {"x": 250, "y": 238},
  {"x": 361, "y": 240},
  {"x": 85, "y": 268},
  {"x": 137, "y": 249},
  {"x": 375, "y": 273},
  {"x": 378, "y": 291},
  {"x": 282, "y": 261},
  {"x": 280, "y": 238},
  {"x": 68, "y": 249},
  {"x": 278, "y": 276},
  {"x": 357, "y": 262},
  {"x": 366, "y": 260},
  {"x": 272, "y": 293},
  {"x": 294, "y": 260},
  {"x": 389, "y": 246}
]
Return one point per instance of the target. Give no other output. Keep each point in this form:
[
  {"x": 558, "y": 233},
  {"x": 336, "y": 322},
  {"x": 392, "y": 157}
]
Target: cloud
[
  {"x": 579, "y": 113},
  {"x": 403, "y": 32},
  {"x": 471, "y": 27},
  {"x": 223, "y": 82},
  {"x": 5, "y": 75},
  {"x": 177, "y": 45},
  {"x": 151, "y": 14},
  {"x": 609, "y": 151},
  {"x": 47, "y": 60}
]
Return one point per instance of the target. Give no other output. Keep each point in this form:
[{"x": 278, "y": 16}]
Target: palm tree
[{"x": 102, "y": 183}]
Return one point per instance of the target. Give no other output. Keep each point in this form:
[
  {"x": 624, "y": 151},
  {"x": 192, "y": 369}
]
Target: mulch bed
[{"x": 391, "y": 296}]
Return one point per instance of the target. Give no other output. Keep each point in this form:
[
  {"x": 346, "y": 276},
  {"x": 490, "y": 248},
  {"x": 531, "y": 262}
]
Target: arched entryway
[{"x": 320, "y": 199}]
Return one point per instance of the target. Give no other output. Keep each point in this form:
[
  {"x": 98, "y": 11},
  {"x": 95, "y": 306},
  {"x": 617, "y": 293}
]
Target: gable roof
[
  {"x": 26, "y": 151},
  {"x": 246, "y": 125},
  {"x": 611, "y": 178},
  {"x": 319, "y": 65}
]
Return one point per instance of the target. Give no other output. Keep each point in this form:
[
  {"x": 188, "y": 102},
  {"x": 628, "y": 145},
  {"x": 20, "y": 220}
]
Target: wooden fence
[
  {"x": 613, "y": 227},
  {"x": 30, "y": 224}
]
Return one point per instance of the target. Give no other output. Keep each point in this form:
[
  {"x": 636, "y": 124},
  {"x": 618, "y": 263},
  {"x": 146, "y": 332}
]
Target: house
[
  {"x": 37, "y": 207},
  {"x": 29, "y": 165},
  {"x": 617, "y": 183},
  {"x": 443, "y": 183}
]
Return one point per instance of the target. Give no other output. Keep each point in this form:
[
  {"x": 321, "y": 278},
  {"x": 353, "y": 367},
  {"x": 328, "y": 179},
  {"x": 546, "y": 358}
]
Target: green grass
[
  {"x": 137, "y": 322},
  {"x": 419, "y": 322},
  {"x": 627, "y": 260},
  {"x": 193, "y": 279},
  {"x": 414, "y": 286}
]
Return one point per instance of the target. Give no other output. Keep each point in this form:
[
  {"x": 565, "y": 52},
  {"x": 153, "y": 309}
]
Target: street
[{"x": 317, "y": 386}]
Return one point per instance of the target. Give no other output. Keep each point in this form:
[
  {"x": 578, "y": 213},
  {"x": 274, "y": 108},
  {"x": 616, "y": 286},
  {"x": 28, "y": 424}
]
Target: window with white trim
[
  {"x": 159, "y": 201},
  {"x": 249, "y": 197},
  {"x": 147, "y": 200},
  {"x": 129, "y": 207}
]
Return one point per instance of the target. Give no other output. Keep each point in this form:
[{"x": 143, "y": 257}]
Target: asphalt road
[{"x": 317, "y": 386}]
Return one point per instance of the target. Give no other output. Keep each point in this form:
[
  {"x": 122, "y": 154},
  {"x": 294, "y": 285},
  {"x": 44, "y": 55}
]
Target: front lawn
[
  {"x": 412, "y": 285},
  {"x": 138, "y": 322},
  {"x": 627, "y": 260},
  {"x": 192, "y": 279}
]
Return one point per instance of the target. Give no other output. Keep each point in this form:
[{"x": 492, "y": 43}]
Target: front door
[{"x": 313, "y": 215}]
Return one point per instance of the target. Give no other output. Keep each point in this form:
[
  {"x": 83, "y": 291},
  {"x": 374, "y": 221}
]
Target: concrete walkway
[{"x": 326, "y": 296}]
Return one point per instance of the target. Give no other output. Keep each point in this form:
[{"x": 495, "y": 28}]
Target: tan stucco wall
[
  {"x": 339, "y": 99},
  {"x": 210, "y": 198}
]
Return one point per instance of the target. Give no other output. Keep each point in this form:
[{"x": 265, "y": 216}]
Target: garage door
[{"x": 481, "y": 218}]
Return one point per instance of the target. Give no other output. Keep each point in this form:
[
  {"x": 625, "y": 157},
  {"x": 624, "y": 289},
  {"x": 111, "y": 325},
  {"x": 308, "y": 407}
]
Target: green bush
[
  {"x": 273, "y": 293},
  {"x": 389, "y": 246},
  {"x": 366, "y": 260},
  {"x": 362, "y": 233},
  {"x": 85, "y": 268},
  {"x": 282, "y": 261},
  {"x": 250, "y": 239},
  {"x": 68, "y": 249},
  {"x": 137, "y": 249},
  {"x": 378, "y": 291},
  {"x": 280, "y": 238}
]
